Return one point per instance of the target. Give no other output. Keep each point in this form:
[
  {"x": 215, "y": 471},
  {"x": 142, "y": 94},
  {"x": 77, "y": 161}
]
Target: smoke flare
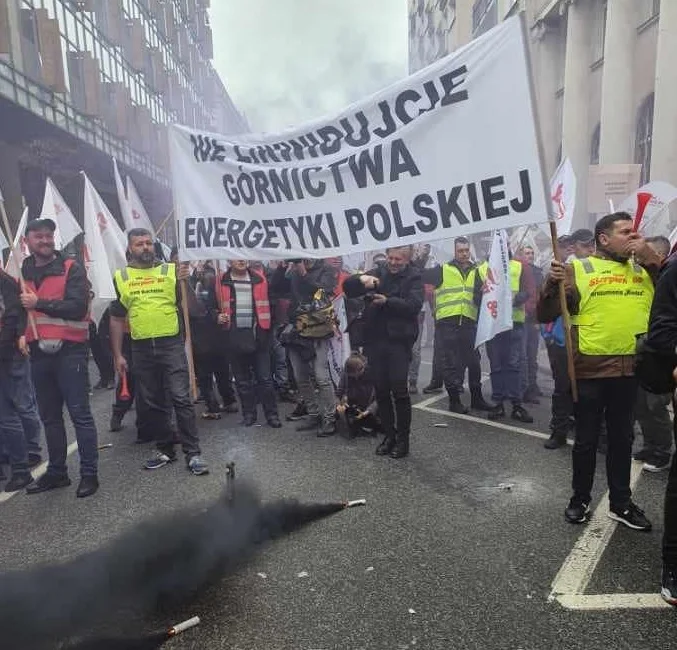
[{"x": 166, "y": 559}]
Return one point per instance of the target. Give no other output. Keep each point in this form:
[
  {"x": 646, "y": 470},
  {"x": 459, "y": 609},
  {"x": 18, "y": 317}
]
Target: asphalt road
[{"x": 440, "y": 557}]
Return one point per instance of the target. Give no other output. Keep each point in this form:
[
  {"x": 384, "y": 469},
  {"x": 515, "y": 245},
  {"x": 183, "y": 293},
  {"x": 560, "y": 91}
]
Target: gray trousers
[{"x": 314, "y": 381}]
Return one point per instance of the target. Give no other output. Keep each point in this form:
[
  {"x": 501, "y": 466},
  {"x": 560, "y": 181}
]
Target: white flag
[
  {"x": 122, "y": 196},
  {"x": 19, "y": 246},
  {"x": 138, "y": 216},
  {"x": 55, "y": 208},
  {"x": 4, "y": 244},
  {"x": 496, "y": 310},
  {"x": 652, "y": 200},
  {"x": 563, "y": 197},
  {"x": 112, "y": 237}
]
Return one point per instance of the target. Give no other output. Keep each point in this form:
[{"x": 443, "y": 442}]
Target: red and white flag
[
  {"x": 138, "y": 216},
  {"x": 495, "y": 315},
  {"x": 55, "y": 208},
  {"x": 563, "y": 197},
  {"x": 122, "y": 195},
  {"x": 648, "y": 207},
  {"x": 114, "y": 241}
]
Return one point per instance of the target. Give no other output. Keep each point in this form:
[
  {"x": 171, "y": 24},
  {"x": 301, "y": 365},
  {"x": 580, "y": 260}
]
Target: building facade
[
  {"x": 602, "y": 76},
  {"x": 84, "y": 80}
]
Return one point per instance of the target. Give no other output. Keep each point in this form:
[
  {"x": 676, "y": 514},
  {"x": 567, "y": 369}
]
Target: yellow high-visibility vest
[
  {"x": 615, "y": 303},
  {"x": 454, "y": 297},
  {"x": 519, "y": 314},
  {"x": 149, "y": 296}
]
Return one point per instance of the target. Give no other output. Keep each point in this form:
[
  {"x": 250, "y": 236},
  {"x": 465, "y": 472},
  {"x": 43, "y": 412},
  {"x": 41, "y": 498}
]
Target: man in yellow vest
[
  {"x": 148, "y": 295},
  {"x": 609, "y": 295},
  {"x": 457, "y": 294},
  {"x": 506, "y": 351}
]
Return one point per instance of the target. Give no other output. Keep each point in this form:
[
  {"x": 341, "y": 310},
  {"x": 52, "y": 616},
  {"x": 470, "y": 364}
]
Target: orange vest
[
  {"x": 261, "y": 302},
  {"x": 53, "y": 287}
]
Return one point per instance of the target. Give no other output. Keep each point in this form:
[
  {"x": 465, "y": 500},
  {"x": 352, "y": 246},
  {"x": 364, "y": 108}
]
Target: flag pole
[
  {"x": 184, "y": 289},
  {"x": 566, "y": 317},
  {"x": 163, "y": 223},
  {"x": 15, "y": 258}
]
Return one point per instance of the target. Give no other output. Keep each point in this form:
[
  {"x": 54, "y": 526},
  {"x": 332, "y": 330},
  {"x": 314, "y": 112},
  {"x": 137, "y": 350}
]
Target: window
[
  {"x": 643, "y": 137},
  {"x": 647, "y": 10},
  {"x": 594, "y": 145}
]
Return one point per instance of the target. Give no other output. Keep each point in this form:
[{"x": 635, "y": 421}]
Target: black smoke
[{"x": 158, "y": 562}]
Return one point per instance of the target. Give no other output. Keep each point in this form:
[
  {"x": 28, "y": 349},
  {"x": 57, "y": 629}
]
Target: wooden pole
[
  {"x": 15, "y": 258},
  {"x": 163, "y": 223},
  {"x": 184, "y": 288}
]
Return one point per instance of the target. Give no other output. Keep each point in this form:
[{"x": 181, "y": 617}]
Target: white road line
[
  {"x": 612, "y": 601},
  {"x": 39, "y": 471}
]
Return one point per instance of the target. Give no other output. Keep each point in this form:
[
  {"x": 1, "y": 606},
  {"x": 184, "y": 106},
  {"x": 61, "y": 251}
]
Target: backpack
[{"x": 317, "y": 319}]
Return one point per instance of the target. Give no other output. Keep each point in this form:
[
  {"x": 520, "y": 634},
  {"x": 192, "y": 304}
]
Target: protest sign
[{"x": 451, "y": 150}]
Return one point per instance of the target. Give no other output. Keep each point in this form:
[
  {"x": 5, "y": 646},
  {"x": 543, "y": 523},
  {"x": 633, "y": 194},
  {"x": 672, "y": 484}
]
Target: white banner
[
  {"x": 55, "y": 208},
  {"x": 19, "y": 247},
  {"x": 338, "y": 350},
  {"x": 495, "y": 314},
  {"x": 448, "y": 151},
  {"x": 563, "y": 197}
]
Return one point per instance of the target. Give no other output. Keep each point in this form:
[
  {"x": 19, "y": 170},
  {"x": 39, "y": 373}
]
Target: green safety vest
[
  {"x": 454, "y": 297},
  {"x": 614, "y": 308},
  {"x": 149, "y": 296},
  {"x": 519, "y": 314}
]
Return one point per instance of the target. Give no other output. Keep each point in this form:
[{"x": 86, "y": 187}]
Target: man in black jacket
[{"x": 394, "y": 297}]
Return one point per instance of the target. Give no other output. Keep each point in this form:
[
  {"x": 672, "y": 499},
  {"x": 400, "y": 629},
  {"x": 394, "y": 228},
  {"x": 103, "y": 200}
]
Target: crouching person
[{"x": 357, "y": 398}]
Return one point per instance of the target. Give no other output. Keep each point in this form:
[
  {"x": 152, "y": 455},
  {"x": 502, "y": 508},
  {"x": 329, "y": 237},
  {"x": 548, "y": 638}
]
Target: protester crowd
[{"x": 261, "y": 335}]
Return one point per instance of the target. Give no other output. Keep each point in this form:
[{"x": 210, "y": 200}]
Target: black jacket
[
  {"x": 12, "y": 319},
  {"x": 662, "y": 334},
  {"x": 397, "y": 319},
  {"x": 303, "y": 287}
]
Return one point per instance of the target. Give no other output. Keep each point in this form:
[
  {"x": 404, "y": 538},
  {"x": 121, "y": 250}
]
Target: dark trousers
[
  {"x": 670, "y": 512},
  {"x": 562, "y": 405},
  {"x": 99, "y": 344},
  {"x": 254, "y": 380},
  {"x": 612, "y": 400},
  {"x": 506, "y": 354},
  {"x": 161, "y": 370},
  {"x": 389, "y": 366},
  {"x": 356, "y": 426},
  {"x": 532, "y": 339},
  {"x": 210, "y": 366},
  {"x": 654, "y": 421},
  {"x": 457, "y": 341},
  {"x": 59, "y": 379},
  {"x": 437, "y": 377},
  {"x": 12, "y": 438}
]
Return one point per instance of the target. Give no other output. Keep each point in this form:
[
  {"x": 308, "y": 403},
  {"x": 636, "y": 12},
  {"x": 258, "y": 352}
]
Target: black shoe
[
  {"x": 48, "y": 482},
  {"x": 298, "y": 413},
  {"x": 327, "y": 428},
  {"x": 34, "y": 460},
  {"x": 229, "y": 408},
  {"x": 311, "y": 424},
  {"x": 431, "y": 389},
  {"x": 456, "y": 406},
  {"x": 18, "y": 482},
  {"x": 274, "y": 422},
  {"x": 249, "y": 420},
  {"x": 497, "y": 412},
  {"x": 478, "y": 403},
  {"x": 400, "y": 450},
  {"x": 555, "y": 441},
  {"x": 577, "y": 512},
  {"x": 386, "y": 446},
  {"x": 669, "y": 584},
  {"x": 520, "y": 414},
  {"x": 88, "y": 486},
  {"x": 115, "y": 422},
  {"x": 631, "y": 516}
]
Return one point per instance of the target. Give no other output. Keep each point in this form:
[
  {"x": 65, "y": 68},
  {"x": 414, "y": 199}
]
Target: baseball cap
[
  {"x": 40, "y": 224},
  {"x": 583, "y": 236}
]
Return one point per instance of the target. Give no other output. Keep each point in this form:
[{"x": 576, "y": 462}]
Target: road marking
[{"x": 37, "y": 472}]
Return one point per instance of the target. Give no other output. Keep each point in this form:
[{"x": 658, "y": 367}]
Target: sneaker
[
  {"x": 669, "y": 584},
  {"x": 48, "y": 482},
  {"x": 327, "y": 428},
  {"x": 298, "y": 413},
  {"x": 577, "y": 512},
  {"x": 497, "y": 412},
  {"x": 431, "y": 389},
  {"x": 159, "y": 460},
  {"x": 18, "y": 482},
  {"x": 656, "y": 465},
  {"x": 248, "y": 420},
  {"x": 520, "y": 414},
  {"x": 274, "y": 422},
  {"x": 197, "y": 466},
  {"x": 631, "y": 516}
]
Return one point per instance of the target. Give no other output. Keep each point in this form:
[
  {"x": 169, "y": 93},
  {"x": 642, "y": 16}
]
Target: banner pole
[
  {"x": 15, "y": 258},
  {"x": 566, "y": 317},
  {"x": 163, "y": 223},
  {"x": 189, "y": 338}
]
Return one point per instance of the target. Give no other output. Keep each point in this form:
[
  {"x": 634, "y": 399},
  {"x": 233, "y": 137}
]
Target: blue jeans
[
  {"x": 22, "y": 394},
  {"x": 506, "y": 352},
  {"x": 12, "y": 438},
  {"x": 60, "y": 379}
]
